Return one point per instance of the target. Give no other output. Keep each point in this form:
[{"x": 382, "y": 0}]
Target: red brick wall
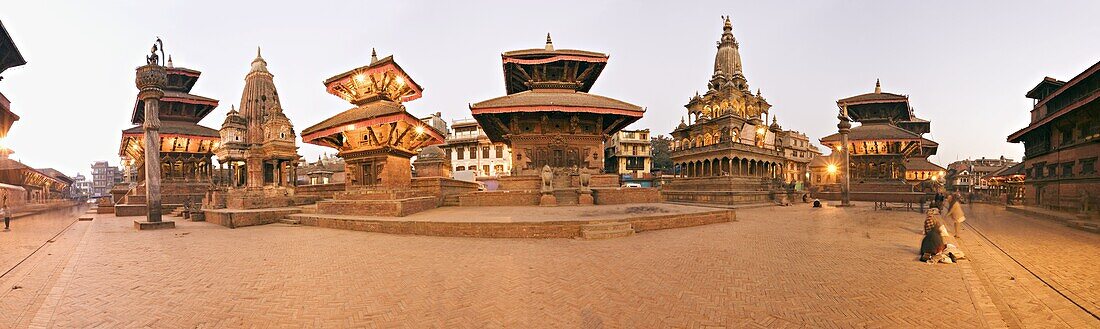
[
  {"x": 559, "y": 229},
  {"x": 499, "y": 198},
  {"x": 236, "y": 218},
  {"x": 393, "y": 208},
  {"x": 323, "y": 191},
  {"x": 626, "y": 195}
]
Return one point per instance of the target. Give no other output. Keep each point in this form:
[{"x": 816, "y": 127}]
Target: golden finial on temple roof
[
  {"x": 549, "y": 43},
  {"x": 373, "y": 56},
  {"x": 878, "y": 87}
]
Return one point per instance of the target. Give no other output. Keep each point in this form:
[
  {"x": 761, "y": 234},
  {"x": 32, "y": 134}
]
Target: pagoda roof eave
[
  {"x": 556, "y": 108},
  {"x": 380, "y": 65},
  {"x": 12, "y": 56},
  {"x": 208, "y": 104},
  {"x": 325, "y": 129},
  {"x": 873, "y": 98},
  {"x": 566, "y": 100},
  {"x": 877, "y": 132},
  {"x": 537, "y": 52}
]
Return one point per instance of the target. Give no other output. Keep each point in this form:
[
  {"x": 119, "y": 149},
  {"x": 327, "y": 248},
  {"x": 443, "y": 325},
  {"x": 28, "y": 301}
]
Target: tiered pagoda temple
[
  {"x": 726, "y": 153},
  {"x": 889, "y": 139},
  {"x": 257, "y": 147},
  {"x": 552, "y": 123},
  {"x": 186, "y": 147}
]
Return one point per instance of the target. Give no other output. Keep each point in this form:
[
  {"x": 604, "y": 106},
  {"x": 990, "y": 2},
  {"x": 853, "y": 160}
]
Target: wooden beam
[
  {"x": 497, "y": 121},
  {"x": 402, "y": 135},
  {"x": 607, "y": 130}
]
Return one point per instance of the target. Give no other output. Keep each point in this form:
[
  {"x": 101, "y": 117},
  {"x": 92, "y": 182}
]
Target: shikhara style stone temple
[
  {"x": 257, "y": 149},
  {"x": 553, "y": 125},
  {"x": 889, "y": 138},
  {"x": 186, "y": 147},
  {"x": 725, "y": 152}
]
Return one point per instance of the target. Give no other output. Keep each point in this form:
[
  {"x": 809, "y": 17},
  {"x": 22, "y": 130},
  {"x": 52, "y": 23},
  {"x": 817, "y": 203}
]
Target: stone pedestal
[
  {"x": 145, "y": 225},
  {"x": 585, "y": 199},
  {"x": 548, "y": 200}
]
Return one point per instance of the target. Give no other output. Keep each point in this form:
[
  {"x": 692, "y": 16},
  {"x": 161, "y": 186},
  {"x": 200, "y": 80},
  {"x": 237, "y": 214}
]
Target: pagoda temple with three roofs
[
  {"x": 888, "y": 140},
  {"x": 186, "y": 147}
]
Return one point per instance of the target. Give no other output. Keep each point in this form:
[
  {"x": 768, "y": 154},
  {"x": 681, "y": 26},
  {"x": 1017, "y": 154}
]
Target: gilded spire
[
  {"x": 549, "y": 43},
  {"x": 169, "y": 61},
  {"x": 878, "y": 87},
  {"x": 373, "y": 56}
]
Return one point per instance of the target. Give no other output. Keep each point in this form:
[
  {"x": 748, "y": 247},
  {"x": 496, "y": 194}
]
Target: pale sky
[{"x": 966, "y": 65}]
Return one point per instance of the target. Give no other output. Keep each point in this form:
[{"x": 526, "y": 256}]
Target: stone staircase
[
  {"x": 1085, "y": 224},
  {"x": 450, "y": 200},
  {"x": 566, "y": 197},
  {"x": 609, "y": 230},
  {"x": 289, "y": 221}
]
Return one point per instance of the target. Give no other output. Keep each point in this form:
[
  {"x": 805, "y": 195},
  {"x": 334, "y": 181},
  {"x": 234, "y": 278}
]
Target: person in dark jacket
[{"x": 932, "y": 244}]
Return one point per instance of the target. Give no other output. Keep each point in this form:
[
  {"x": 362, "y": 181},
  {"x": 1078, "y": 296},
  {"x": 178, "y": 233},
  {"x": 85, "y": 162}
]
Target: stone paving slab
[
  {"x": 1065, "y": 258},
  {"x": 774, "y": 267}
]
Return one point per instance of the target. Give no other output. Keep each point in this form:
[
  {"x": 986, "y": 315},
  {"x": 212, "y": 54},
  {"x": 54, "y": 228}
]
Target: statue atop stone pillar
[{"x": 151, "y": 79}]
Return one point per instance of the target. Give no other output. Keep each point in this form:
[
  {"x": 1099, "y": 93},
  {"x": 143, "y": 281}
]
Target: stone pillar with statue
[{"x": 151, "y": 79}]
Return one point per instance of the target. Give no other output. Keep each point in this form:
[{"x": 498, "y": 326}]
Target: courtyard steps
[
  {"x": 451, "y": 200},
  {"x": 567, "y": 197},
  {"x": 1085, "y": 224},
  {"x": 309, "y": 208},
  {"x": 609, "y": 230},
  {"x": 290, "y": 221}
]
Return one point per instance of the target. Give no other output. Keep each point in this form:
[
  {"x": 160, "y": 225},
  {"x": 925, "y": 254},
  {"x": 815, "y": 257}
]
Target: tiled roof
[
  {"x": 358, "y": 113},
  {"x": 178, "y": 127},
  {"x": 873, "y": 98},
  {"x": 876, "y": 131},
  {"x": 556, "y": 97},
  {"x": 553, "y": 52},
  {"x": 1016, "y": 169},
  {"x": 921, "y": 164}
]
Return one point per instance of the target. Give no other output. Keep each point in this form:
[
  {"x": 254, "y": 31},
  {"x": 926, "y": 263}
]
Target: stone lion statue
[{"x": 547, "y": 179}]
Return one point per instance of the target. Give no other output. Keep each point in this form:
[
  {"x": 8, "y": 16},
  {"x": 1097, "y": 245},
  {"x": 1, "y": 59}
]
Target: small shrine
[{"x": 257, "y": 152}]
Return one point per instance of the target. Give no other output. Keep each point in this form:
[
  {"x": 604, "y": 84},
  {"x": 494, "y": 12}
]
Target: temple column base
[
  {"x": 548, "y": 200},
  {"x": 143, "y": 225}
]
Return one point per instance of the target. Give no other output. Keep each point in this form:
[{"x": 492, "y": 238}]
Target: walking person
[
  {"x": 955, "y": 212},
  {"x": 4, "y": 212}
]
